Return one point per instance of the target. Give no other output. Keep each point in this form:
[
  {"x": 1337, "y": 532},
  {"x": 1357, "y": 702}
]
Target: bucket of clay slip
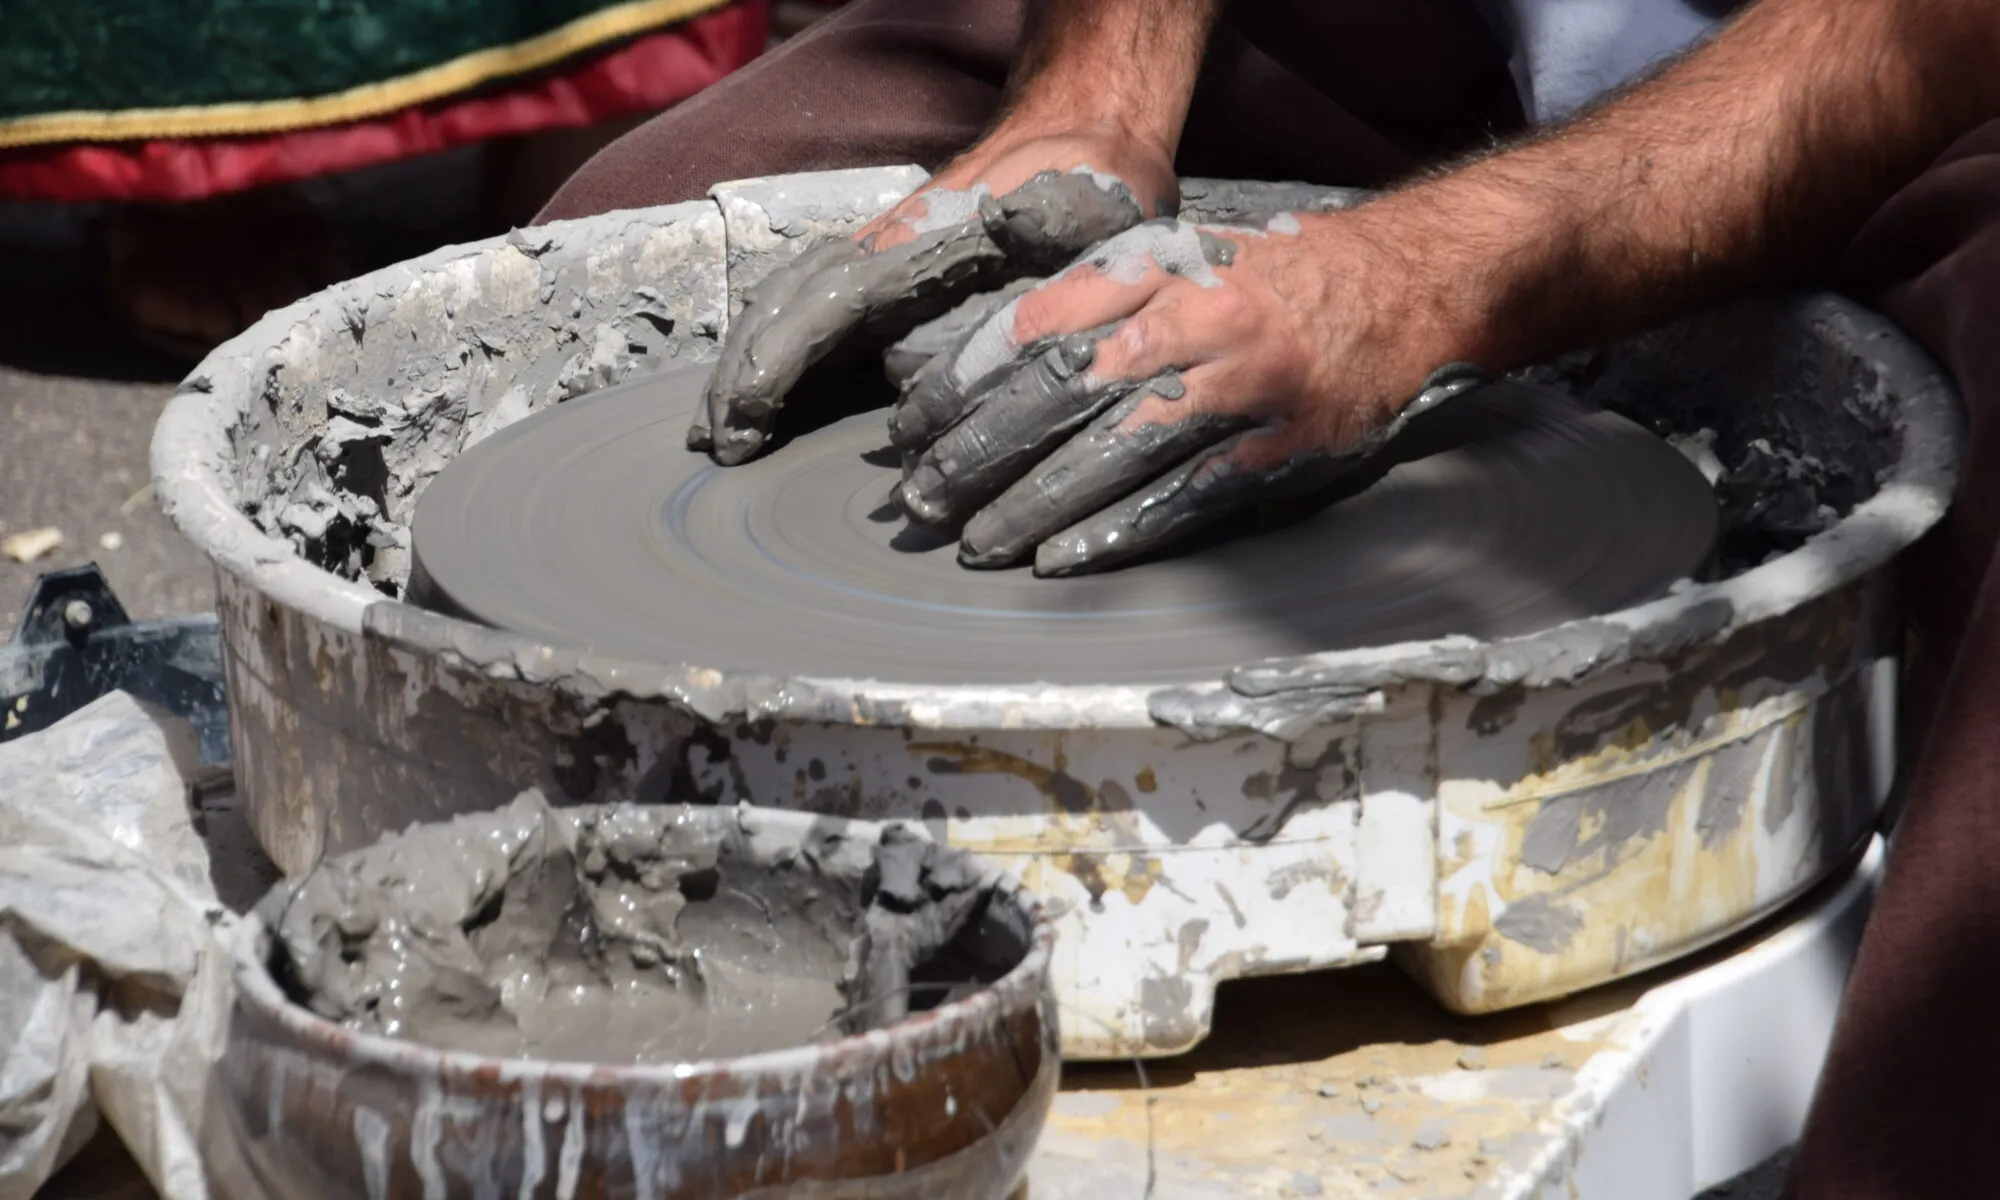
[{"x": 945, "y": 1099}]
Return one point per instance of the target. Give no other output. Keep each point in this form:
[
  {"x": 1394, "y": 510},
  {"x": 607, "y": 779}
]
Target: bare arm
[
  {"x": 1755, "y": 156},
  {"x": 1125, "y": 66},
  {"x": 1103, "y": 84},
  {"x": 1083, "y": 149},
  {"x": 1238, "y": 363}
]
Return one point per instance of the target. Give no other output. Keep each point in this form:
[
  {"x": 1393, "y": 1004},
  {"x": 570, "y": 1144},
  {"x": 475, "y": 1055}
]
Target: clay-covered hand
[
  {"x": 1171, "y": 376},
  {"x": 1003, "y": 212}
]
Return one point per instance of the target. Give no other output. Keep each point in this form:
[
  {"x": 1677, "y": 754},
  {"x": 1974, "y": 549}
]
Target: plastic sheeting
[{"x": 114, "y": 965}]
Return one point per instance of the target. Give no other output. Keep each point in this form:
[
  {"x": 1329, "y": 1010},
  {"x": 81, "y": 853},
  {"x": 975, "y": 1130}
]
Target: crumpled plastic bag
[{"x": 114, "y": 960}]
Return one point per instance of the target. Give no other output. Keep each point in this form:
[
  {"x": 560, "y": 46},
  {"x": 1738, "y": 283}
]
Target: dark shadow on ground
[{"x": 53, "y": 320}]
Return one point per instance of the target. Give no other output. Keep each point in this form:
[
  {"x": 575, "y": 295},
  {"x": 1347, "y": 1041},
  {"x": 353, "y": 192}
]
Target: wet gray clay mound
[{"x": 631, "y": 934}]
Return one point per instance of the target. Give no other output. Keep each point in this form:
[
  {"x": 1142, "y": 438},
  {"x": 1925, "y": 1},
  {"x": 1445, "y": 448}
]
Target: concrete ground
[
  {"x": 78, "y": 399},
  {"x": 77, "y": 404},
  {"x": 75, "y": 461}
]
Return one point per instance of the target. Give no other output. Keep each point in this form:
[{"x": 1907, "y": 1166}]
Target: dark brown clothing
[
  {"x": 1364, "y": 91},
  {"x": 1906, "y": 1106},
  {"x": 1288, "y": 91}
]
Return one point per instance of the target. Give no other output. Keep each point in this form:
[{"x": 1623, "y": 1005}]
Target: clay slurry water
[
  {"x": 1507, "y": 511},
  {"x": 624, "y": 933}
]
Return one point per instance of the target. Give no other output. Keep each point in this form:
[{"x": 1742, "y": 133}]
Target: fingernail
[
  {"x": 976, "y": 545},
  {"x": 1058, "y": 556},
  {"x": 983, "y": 559},
  {"x": 920, "y": 493},
  {"x": 1079, "y": 350},
  {"x": 910, "y": 426},
  {"x": 910, "y": 418},
  {"x": 737, "y": 447},
  {"x": 1167, "y": 385}
]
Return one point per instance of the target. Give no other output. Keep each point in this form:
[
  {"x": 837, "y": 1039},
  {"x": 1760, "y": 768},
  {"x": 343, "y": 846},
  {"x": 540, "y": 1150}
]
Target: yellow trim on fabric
[{"x": 368, "y": 100}]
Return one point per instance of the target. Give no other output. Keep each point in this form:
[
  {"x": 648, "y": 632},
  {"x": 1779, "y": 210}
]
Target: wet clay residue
[{"x": 625, "y": 933}]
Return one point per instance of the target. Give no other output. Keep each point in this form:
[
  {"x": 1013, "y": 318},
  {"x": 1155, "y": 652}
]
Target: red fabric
[{"x": 651, "y": 72}]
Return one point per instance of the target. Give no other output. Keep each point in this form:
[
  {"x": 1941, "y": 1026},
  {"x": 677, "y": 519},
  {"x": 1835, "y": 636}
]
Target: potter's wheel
[{"x": 590, "y": 524}]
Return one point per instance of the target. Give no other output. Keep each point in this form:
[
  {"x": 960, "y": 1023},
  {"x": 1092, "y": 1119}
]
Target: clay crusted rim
[{"x": 192, "y": 442}]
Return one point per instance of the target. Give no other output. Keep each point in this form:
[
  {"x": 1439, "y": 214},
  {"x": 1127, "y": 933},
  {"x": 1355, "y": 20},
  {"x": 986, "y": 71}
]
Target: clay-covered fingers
[
  {"x": 1115, "y": 454},
  {"x": 1024, "y": 415},
  {"x": 1109, "y": 284},
  {"x": 1045, "y": 366},
  {"x": 1240, "y": 468},
  {"x": 1016, "y": 338},
  {"x": 937, "y": 249},
  {"x": 802, "y": 310},
  {"x": 1223, "y": 479},
  {"x": 1057, "y": 215},
  {"x": 763, "y": 306},
  {"x": 1010, "y": 426},
  {"x": 934, "y": 337}
]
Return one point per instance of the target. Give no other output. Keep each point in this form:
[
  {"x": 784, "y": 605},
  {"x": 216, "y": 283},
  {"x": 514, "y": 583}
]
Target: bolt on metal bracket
[{"x": 75, "y": 643}]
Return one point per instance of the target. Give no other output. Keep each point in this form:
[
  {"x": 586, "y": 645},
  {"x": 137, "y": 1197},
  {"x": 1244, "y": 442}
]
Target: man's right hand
[{"x": 1019, "y": 205}]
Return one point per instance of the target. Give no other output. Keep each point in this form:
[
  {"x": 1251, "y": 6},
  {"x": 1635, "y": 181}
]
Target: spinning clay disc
[{"x": 1505, "y": 511}]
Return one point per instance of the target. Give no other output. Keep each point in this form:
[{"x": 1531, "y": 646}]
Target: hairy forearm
[
  {"x": 1752, "y": 158},
  {"x": 1128, "y": 65}
]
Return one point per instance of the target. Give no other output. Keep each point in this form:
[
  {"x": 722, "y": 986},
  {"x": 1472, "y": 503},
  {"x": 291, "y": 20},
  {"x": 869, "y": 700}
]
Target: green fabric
[{"x": 111, "y": 55}]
